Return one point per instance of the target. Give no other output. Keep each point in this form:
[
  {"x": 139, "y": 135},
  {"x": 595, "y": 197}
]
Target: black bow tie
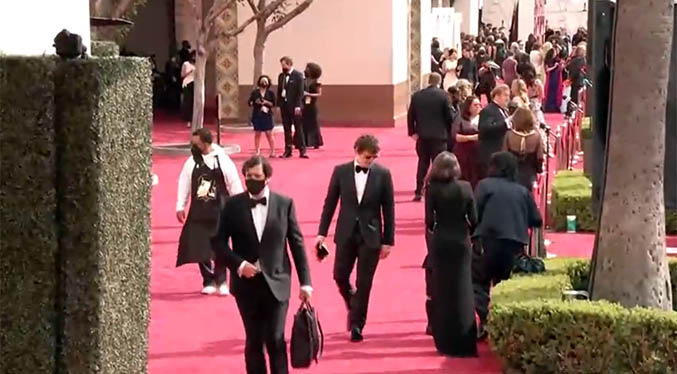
[
  {"x": 254, "y": 202},
  {"x": 359, "y": 168}
]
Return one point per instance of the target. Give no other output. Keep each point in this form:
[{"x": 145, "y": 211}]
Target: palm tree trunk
[
  {"x": 199, "y": 90},
  {"x": 630, "y": 260},
  {"x": 259, "y": 49}
]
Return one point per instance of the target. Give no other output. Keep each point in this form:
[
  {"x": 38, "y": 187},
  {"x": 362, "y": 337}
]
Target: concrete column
[
  {"x": 470, "y": 10},
  {"x": 414, "y": 45},
  {"x": 226, "y": 65}
]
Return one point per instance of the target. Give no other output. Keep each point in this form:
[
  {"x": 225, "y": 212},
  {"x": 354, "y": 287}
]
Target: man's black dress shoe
[
  {"x": 286, "y": 155},
  {"x": 356, "y": 335}
]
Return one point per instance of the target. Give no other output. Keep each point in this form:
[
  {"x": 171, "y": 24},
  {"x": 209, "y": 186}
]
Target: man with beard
[{"x": 290, "y": 88}]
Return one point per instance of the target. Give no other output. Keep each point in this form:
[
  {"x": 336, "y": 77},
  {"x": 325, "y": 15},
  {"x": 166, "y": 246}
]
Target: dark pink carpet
[{"x": 191, "y": 333}]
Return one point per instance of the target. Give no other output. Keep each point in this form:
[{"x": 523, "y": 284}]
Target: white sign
[{"x": 28, "y": 27}]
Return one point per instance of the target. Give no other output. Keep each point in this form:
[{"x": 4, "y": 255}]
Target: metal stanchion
[{"x": 218, "y": 119}]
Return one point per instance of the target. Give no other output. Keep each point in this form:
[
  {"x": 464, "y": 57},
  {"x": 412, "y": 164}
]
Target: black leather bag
[
  {"x": 528, "y": 265},
  {"x": 307, "y": 338}
]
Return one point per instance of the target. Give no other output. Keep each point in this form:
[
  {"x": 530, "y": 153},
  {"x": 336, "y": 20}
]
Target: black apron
[{"x": 207, "y": 199}]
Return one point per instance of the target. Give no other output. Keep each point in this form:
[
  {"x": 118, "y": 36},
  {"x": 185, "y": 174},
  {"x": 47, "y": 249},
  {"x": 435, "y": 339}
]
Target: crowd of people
[
  {"x": 476, "y": 169},
  {"x": 485, "y": 161}
]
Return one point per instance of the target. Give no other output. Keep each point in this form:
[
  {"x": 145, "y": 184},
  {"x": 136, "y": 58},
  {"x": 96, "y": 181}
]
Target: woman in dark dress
[
  {"x": 313, "y": 90},
  {"x": 525, "y": 143},
  {"x": 465, "y": 133},
  {"x": 450, "y": 218},
  {"x": 262, "y": 101},
  {"x": 553, "y": 81}
]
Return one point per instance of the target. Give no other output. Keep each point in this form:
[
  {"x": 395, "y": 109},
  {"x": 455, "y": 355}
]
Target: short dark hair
[
  {"x": 503, "y": 165},
  {"x": 204, "y": 134},
  {"x": 367, "y": 143},
  {"x": 255, "y": 161},
  {"x": 287, "y": 60},
  {"x": 258, "y": 81},
  {"x": 445, "y": 168},
  {"x": 434, "y": 79},
  {"x": 453, "y": 90}
]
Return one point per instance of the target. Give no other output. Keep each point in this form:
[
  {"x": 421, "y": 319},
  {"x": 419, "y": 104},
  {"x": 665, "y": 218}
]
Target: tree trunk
[
  {"x": 199, "y": 90},
  {"x": 259, "y": 50},
  {"x": 630, "y": 260}
]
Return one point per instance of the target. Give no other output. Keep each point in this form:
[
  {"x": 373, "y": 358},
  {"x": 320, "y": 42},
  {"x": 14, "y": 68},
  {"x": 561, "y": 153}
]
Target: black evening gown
[
  {"x": 450, "y": 215},
  {"x": 311, "y": 126}
]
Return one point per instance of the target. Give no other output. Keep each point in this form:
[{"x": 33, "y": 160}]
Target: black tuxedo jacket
[
  {"x": 429, "y": 114},
  {"x": 492, "y": 128},
  {"x": 294, "y": 90},
  {"x": 281, "y": 229},
  {"x": 375, "y": 215}
]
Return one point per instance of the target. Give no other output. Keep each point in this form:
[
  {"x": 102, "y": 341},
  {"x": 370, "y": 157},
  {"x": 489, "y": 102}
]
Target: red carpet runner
[{"x": 191, "y": 333}]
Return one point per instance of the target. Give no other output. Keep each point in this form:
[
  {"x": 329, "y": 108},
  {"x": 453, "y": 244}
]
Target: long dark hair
[
  {"x": 503, "y": 165},
  {"x": 445, "y": 169},
  {"x": 465, "y": 107}
]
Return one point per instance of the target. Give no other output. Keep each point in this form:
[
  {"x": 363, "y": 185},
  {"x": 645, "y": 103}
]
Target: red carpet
[{"x": 191, "y": 333}]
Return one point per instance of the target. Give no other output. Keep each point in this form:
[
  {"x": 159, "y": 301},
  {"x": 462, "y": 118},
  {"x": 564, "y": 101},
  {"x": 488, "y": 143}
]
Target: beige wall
[{"x": 352, "y": 44}]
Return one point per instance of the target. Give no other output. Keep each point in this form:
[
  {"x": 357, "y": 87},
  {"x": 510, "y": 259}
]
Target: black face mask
[
  {"x": 285, "y": 70},
  {"x": 196, "y": 152},
  {"x": 263, "y": 85},
  {"x": 255, "y": 186}
]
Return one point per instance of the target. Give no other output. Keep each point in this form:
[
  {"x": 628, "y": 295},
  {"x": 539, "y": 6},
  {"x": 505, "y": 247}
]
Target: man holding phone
[{"x": 365, "y": 231}]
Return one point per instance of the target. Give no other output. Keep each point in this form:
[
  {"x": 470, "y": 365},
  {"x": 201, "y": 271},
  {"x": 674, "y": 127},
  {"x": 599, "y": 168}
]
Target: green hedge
[
  {"x": 28, "y": 229},
  {"x": 74, "y": 198},
  {"x": 105, "y": 49},
  {"x": 534, "y": 331},
  {"x": 104, "y": 125},
  {"x": 572, "y": 195}
]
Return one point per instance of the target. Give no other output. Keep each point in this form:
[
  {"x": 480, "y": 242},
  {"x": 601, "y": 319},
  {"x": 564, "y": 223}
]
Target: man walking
[
  {"x": 261, "y": 224},
  {"x": 289, "y": 97},
  {"x": 208, "y": 177},
  {"x": 429, "y": 121},
  {"x": 365, "y": 230}
]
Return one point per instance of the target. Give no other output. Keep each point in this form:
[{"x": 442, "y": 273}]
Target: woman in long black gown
[
  {"x": 450, "y": 217},
  {"x": 313, "y": 90}
]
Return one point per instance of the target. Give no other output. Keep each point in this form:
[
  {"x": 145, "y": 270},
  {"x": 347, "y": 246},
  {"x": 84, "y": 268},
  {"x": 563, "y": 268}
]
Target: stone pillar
[
  {"x": 227, "y": 81},
  {"x": 470, "y": 9},
  {"x": 414, "y": 45}
]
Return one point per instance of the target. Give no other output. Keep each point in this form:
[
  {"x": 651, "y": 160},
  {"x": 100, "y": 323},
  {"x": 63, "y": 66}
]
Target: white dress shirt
[
  {"x": 360, "y": 182},
  {"x": 260, "y": 216},
  {"x": 230, "y": 175}
]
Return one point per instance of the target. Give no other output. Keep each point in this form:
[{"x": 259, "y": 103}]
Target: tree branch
[
  {"x": 288, "y": 17},
  {"x": 211, "y": 43},
  {"x": 252, "y": 6},
  {"x": 270, "y": 8}
]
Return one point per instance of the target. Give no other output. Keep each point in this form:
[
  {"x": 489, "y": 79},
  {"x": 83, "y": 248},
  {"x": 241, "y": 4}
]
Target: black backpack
[{"x": 307, "y": 338}]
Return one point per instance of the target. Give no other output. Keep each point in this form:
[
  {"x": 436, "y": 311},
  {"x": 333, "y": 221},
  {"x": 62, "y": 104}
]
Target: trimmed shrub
[
  {"x": 102, "y": 48},
  {"x": 28, "y": 229},
  {"x": 583, "y": 337},
  {"x": 572, "y": 195},
  {"x": 534, "y": 331},
  {"x": 104, "y": 126},
  {"x": 671, "y": 222}
]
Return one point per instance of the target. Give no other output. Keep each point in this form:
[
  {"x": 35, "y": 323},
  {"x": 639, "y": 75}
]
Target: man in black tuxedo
[
  {"x": 429, "y": 124},
  {"x": 260, "y": 224},
  {"x": 365, "y": 230},
  {"x": 493, "y": 125},
  {"x": 290, "y": 90}
]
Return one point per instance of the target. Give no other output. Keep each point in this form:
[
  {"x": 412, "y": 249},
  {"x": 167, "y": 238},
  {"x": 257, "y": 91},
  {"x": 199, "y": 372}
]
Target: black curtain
[{"x": 514, "y": 29}]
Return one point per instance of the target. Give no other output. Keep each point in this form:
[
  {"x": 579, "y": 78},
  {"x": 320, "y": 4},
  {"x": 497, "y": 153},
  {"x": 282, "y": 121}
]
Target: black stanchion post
[{"x": 218, "y": 119}]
